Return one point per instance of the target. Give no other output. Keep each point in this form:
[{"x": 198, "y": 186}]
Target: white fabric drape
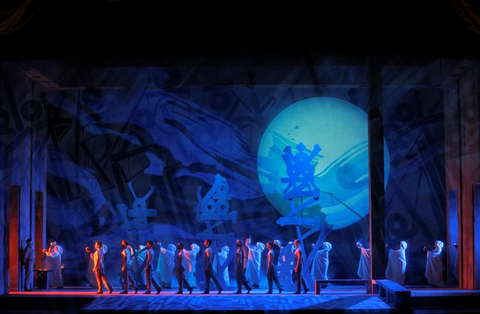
[
  {"x": 53, "y": 262},
  {"x": 397, "y": 264},
  {"x": 364, "y": 263},
  {"x": 434, "y": 265},
  {"x": 254, "y": 258},
  {"x": 166, "y": 264},
  {"x": 190, "y": 264},
  {"x": 321, "y": 261}
]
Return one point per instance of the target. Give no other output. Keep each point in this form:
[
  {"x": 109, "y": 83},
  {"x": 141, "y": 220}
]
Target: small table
[{"x": 42, "y": 277}]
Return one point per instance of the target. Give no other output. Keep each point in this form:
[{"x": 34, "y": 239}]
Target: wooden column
[
  {"x": 461, "y": 167},
  {"x": 470, "y": 162},
  {"x": 40, "y": 229},
  {"x": 13, "y": 239},
  {"x": 476, "y": 239},
  {"x": 452, "y": 237},
  {"x": 376, "y": 170}
]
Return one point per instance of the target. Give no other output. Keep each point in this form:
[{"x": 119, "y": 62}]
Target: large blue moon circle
[{"x": 341, "y": 167}]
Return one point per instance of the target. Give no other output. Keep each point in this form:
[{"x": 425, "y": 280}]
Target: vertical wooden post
[
  {"x": 376, "y": 170},
  {"x": 40, "y": 229},
  {"x": 476, "y": 239},
  {"x": 14, "y": 246},
  {"x": 461, "y": 167}
]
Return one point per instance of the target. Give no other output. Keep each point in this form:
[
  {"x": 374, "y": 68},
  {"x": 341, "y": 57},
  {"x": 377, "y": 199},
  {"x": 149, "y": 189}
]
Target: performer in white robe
[
  {"x": 53, "y": 262},
  {"x": 222, "y": 257},
  {"x": 166, "y": 264},
  {"x": 254, "y": 258},
  {"x": 190, "y": 264},
  {"x": 364, "y": 263},
  {"x": 434, "y": 265},
  {"x": 321, "y": 261},
  {"x": 397, "y": 264}
]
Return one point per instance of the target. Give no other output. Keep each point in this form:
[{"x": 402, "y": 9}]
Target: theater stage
[{"x": 332, "y": 299}]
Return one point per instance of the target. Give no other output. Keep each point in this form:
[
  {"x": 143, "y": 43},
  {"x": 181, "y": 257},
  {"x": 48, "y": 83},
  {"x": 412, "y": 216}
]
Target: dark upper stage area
[{"x": 128, "y": 28}]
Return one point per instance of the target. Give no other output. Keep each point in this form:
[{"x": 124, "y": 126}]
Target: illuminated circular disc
[{"x": 341, "y": 167}]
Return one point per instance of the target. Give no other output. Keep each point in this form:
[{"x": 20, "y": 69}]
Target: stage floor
[{"x": 332, "y": 299}]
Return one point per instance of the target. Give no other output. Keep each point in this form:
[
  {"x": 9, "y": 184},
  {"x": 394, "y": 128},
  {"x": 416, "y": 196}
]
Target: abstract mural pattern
[{"x": 131, "y": 162}]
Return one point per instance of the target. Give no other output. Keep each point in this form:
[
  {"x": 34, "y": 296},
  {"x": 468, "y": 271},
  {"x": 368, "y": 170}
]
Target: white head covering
[
  {"x": 434, "y": 266},
  {"x": 195, "y": 248},
  {"x": 260, "y": 246},
  {"x": 104, "y": 248},
  {"x": 172, "y": 247},
  {"x": 439, "y": 244},
  {"x": 327, "y": 246}
]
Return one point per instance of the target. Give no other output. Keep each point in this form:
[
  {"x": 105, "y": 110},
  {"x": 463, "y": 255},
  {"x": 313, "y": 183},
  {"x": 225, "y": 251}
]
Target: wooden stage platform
[{"x": 333, "y": 299}]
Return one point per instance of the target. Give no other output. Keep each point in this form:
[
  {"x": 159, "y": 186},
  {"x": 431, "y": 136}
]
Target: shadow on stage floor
[{"x": 332, "y": 299}]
